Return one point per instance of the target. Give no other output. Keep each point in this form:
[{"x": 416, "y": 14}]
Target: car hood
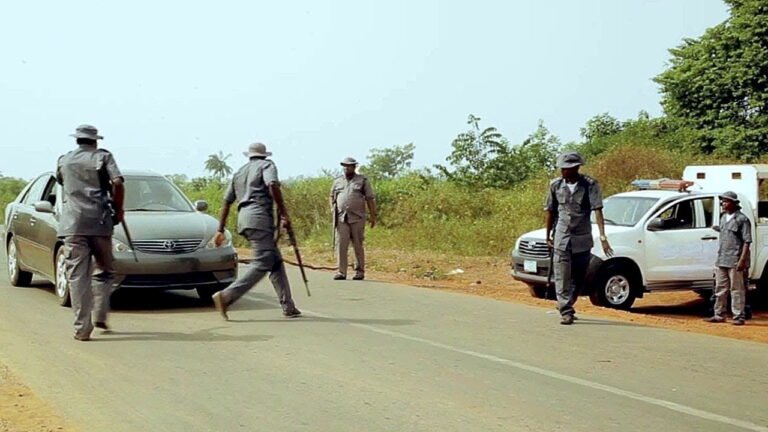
[
  {"x": 541, "y": 234},
  {"x": 167, "y": 225}
]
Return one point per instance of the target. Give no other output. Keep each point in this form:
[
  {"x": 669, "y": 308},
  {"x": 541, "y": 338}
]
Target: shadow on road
[
  {"x": 204, "y": 335},
  {"x": 312, "y": 318}
]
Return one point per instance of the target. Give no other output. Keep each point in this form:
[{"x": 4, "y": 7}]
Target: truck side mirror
[
  {"x": 656, "y": 224},
  {"x": 201, "y": 205},
  {"x": 43, "y": 207}
]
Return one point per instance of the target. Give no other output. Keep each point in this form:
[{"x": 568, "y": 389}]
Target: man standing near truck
[
  {"x": 570, "y": 201},
  {"x": 732, "y": 259}
]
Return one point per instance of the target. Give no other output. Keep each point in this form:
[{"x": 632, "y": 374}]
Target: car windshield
[
  {"x": 154, "y": 194},
  {"x": 625, "y": 210}
]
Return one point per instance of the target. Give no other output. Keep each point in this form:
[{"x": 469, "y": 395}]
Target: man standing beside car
[
  {"x": 90, "y": 180},
  {"x": 255, "y": 187},
  {"x": 569, "y": 203},
  {"x": 732, "y": 259}
]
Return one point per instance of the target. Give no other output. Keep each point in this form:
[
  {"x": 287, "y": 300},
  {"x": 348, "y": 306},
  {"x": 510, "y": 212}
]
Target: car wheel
[
  {"x": 616, "y": 288},
  {"x": 62, "y": 283},
  {"x": 206, "y": 294},
  {"x": 541, "y": 292},
  {"x": 18, "y": 277}
]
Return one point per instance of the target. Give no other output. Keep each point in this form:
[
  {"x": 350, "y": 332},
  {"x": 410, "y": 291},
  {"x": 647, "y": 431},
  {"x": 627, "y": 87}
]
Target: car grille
[
  {"x": 168, "y": 280},
  {"x": 534, "y": 248},
  {"x": 179, "y": 246}
]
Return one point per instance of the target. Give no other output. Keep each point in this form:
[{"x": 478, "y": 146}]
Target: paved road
[{"x": 375, "y": 357}]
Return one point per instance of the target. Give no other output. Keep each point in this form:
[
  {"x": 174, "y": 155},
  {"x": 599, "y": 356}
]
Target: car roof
[
  {"x": 662, "y": 194},
  {"x": 140, "y": 173}
]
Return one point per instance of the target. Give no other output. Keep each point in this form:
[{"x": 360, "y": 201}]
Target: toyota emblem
[{"x": 170, "y": 245}]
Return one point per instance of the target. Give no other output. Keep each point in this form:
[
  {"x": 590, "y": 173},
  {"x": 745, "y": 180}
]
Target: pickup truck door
[{"x": 681, "y": 248}]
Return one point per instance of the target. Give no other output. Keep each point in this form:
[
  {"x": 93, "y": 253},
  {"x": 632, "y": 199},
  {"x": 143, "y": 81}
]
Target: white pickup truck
[{"x": 662, "y": 239}]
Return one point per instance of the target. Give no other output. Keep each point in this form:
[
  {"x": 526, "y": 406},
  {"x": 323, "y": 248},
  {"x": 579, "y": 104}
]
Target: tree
[
  {"x": 391, "y": 162},
  {"x": 216, "y": 164},
  {"x": 717, "y": 84},
  {"x": 472, "y": 154},
  {"x": 178, "y": 179}
]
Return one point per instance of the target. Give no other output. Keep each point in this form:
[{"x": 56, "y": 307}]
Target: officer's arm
[
  {"x": 118, "y": 197},
  {"x": 549, "y": 221},
  {"x": 277, "y": 197},
  {"x": 372, "y": 209}
]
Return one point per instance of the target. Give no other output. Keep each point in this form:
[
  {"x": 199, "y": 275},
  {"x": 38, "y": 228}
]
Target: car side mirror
[
  {"x": 44, "y": 207},
  {"x": 656, "y": 224},
  {"x": 201, "y": 205}
]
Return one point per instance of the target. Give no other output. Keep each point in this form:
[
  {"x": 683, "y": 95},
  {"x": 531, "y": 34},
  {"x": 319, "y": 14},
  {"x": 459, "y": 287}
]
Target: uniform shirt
[
  {"x": 250, "y": 188},
  {"x": 733, "y": 234},
  {"x": 350, "y": 196},
  {"x": 572, "y": 211},
  {"x": 84, "y": 174}
]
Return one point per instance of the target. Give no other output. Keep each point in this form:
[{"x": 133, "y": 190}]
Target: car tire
[
  {"x": 206, "y": 293},
  {"x": 541, "y": 292},
  {"x": 615, "y": 287},
  {"x": 61, "y": 284},
  {"x": 17, "y": 276}
]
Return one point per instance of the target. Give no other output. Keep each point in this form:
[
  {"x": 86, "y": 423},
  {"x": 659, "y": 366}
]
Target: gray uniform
[
  {"x": 573, "y": 235},
  {"x": 734, "y": 233},
  {"x": 349, "y": 202},
  {"x": 255, "y": 221},
  {"x": 86, "y": 226}
]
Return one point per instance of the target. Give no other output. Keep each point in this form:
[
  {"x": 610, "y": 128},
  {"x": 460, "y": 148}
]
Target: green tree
[
  {"x": 217, "y": 165},
  {"x": 390, "y": 162},
  {"x": 473, "y": 154},
  {"x": 717, "y": 84}
]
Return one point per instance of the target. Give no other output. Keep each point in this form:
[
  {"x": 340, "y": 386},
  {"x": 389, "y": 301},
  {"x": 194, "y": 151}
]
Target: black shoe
[
  {"x": 715, "y": 319},
  {"x": 292, "y": 313},
  {"x": 101, "y": 325},
  {"x": 359, "y": 277},
  {"x": 567, "y": 320},
  {"x": 738, "y": 321},
  {"x": 339, "y": 276},
  {"x": 82, "y": 338}
]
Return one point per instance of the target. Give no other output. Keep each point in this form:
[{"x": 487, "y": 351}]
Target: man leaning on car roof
[{"x": 88, "y": 176}]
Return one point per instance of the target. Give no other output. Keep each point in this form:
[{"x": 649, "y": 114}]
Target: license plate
[{"x": 530, "y": 266}]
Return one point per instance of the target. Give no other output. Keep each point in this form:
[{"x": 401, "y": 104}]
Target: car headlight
[
  {"x": 227, "y": 241},
  {"x": 119, "y": 246}
]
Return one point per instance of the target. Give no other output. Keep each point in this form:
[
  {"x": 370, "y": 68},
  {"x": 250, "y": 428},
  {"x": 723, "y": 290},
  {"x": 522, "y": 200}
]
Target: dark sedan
[{"x": 172, "y": 238}]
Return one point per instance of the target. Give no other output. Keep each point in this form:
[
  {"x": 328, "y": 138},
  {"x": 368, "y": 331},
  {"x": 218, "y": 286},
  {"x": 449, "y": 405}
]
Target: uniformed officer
[
  {"x": 732, "y": 259},
  {"x": 89, "y": 176},
  {"x": 350, "y": 193},
  {"x": 570, "y": 201},
  {"x": 255, "y": 187}
]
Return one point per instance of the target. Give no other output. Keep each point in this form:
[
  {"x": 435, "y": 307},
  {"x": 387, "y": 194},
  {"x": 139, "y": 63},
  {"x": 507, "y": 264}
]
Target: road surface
[{"x": 371, "y": 356}]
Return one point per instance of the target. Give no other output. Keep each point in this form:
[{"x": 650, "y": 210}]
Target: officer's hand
[
  {"x": 550, "y": 243},
  {"x": 373, "y": 222},
  {"x": 119, "y": 216},
  {"x": 219, "y": 239},
  {"x": 285, "y": 221},
  {"x": 607, "y": 249},
  {"x": 742, "y": 264}
]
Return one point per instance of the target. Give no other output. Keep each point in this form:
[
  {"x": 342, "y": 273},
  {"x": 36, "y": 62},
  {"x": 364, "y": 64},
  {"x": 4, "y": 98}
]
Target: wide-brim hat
[
  {"x": 257, "y": 150},
  {"x": 348, "y": 161},
  {"x": 569, "y": 160},
  {"x": 88, "y": 132},
  {"x": 730, "y": 196}
]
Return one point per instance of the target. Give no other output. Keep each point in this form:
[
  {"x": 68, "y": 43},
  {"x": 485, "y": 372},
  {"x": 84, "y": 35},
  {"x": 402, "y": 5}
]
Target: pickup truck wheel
[
  {"x": 18, "y": 277},
  {"x": 541, "y": 292},
  {"x": 615, "y": 288}
]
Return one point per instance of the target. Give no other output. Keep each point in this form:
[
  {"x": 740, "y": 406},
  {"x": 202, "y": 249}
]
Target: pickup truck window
[
  {"x": 625, "y": 211},
  {"x": 684, "y": 215}
]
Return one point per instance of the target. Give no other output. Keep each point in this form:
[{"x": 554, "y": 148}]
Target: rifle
[
  {"x": 292, "y": 241},
  {"x": 105, "y": 184}
]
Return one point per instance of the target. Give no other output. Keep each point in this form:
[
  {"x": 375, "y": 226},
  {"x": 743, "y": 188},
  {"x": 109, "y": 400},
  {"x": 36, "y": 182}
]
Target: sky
[{"x": 169, "y": 83}]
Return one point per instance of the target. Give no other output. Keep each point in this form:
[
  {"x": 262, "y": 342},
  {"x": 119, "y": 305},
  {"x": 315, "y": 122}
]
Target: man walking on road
[
  {"x": 732, "y": 259},
  {"x": 569, "y": 203},
  {"x": 350, "y": 193},
  {"x": 89, "y": 175},
  {"x": 255, "y": 187}
]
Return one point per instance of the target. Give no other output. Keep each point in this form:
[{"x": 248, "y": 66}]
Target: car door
[
  {"x": 680, "y": 251},
  {"x": 42, "y": 232},
  {"x": 23, "y": 222}
]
